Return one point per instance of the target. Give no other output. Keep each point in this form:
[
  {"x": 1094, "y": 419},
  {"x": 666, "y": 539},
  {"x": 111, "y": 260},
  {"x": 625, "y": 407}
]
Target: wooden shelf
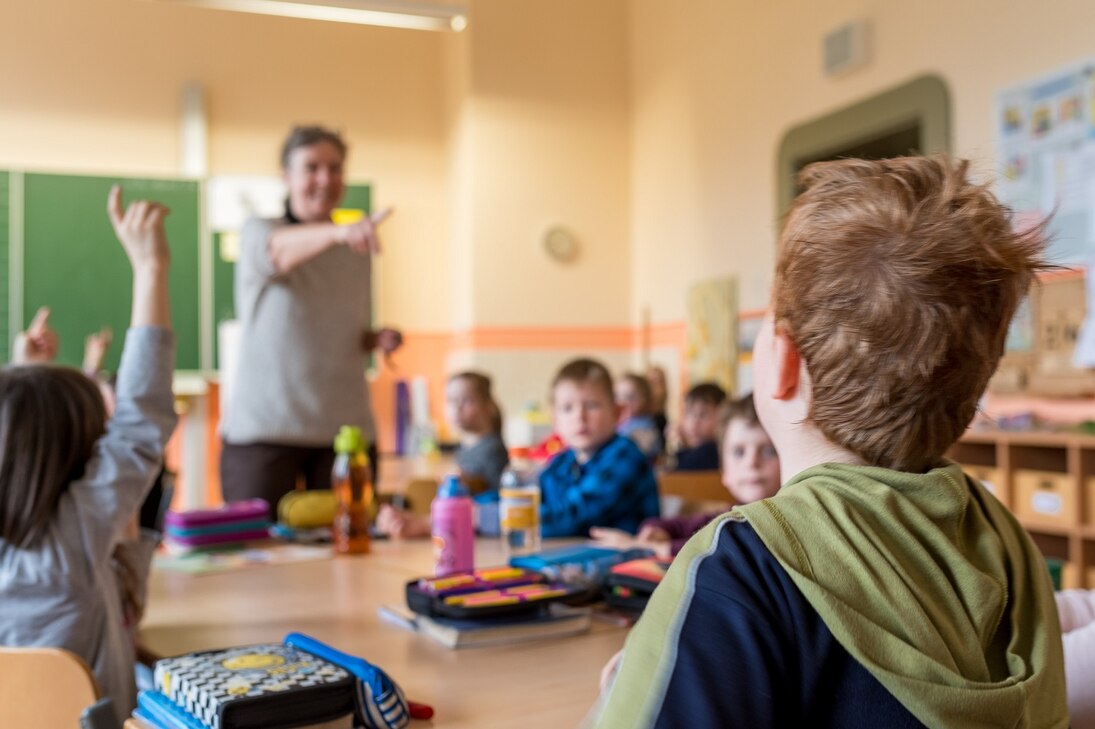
[
  {"x": 1055, "y": 530},
  {"x": 1039, "y": 473},
  {"x": 1048, "y": 438}
]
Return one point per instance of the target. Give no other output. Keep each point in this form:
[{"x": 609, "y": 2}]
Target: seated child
[
  {"x": 699, "y": 450},
  {"x": 602, "y": 477},
  {"x": 636, "y": 422},
  {"x": 881, "y": 587},
  {"x": 72, "y": 480},
  {"x": 480, "y": 459},
  {"x": 750, "y": 472},
  {"x": 470, "y": 407}
]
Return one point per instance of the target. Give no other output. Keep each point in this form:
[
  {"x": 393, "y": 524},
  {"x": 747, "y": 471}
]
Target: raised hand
[
  {"x": 95, "y": 349},
  {"x": 361, "y": 236},
  {"x": 140, "y": 229},
  {"x": 38, "y": 344}
]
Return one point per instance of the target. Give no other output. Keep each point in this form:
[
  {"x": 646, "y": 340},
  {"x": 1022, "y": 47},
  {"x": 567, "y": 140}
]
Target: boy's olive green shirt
[{"x": 925, "y": 579}]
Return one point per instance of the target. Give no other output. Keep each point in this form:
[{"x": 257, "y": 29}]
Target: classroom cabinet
[{"x": 1048, "y": 481}]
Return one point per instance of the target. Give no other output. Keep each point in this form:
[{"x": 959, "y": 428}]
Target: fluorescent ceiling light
[{"x": 363, "y": 12}]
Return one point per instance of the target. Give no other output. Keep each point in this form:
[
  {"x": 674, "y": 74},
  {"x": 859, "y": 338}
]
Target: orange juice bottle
[{"x": 352, "y": 483}]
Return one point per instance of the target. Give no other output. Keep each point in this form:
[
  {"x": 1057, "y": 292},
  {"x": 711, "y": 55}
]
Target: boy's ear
[{"x": 788, "y": 364}]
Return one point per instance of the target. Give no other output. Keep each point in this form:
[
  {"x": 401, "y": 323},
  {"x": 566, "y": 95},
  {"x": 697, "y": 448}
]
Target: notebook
[{"x": 557, "y": 622}]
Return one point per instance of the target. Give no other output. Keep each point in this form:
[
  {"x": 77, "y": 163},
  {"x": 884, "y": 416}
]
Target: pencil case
[
  {"x": 630, "y": 584},
  {"x": 307, "y": 509},
  {"x": 578, "y": 564},
  {"x": 234, "y": 511},
  {"x": 485, "y": 593}
]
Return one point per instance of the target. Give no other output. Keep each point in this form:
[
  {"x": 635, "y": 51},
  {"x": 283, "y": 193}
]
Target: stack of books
[{"x": 556, "y": 621}]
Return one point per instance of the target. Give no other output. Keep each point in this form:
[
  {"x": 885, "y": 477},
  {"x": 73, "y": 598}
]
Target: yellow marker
[
  {"x": 346, "y": 216},
  {"x": 499, "y": 573}
]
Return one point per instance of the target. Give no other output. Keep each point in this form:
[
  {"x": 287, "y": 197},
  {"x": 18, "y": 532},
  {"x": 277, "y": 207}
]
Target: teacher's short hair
[{"x": 306, "y": 136}]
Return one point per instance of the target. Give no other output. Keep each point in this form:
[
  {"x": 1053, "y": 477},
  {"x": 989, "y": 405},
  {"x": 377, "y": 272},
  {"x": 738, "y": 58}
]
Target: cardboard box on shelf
[
  {"x": 1045, "y": 497},
  {"x": 1058, "y": 314},
  {"x": 991, "y": 478}
]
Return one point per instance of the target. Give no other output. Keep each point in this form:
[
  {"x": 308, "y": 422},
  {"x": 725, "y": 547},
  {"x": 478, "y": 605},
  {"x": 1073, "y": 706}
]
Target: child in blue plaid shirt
[{"x": 602, "y": 479}]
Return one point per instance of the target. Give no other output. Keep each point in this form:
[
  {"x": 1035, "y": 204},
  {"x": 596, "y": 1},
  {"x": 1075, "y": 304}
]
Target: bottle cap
[
  {"x": 451, "y": 488},
  {"x": 349, "y": 440}
]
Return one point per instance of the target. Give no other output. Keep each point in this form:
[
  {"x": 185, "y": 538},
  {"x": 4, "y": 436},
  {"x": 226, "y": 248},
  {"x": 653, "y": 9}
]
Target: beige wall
[
  {"x": 547, "y": 113},
  {"x": 481, "y": 140},
  {"x": 96, "y": 87},
  {"x": 716, "y": 84}
]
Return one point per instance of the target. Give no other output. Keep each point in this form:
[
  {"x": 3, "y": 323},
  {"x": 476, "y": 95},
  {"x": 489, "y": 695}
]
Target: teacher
[{"x": 302, "y": 298}]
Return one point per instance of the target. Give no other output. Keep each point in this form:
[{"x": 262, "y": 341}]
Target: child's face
[
  {"x": 700, "y": 423},
  {"x": 629, "y": 400},
  {"x": 584, "y": 415},
  {"x": 463, "y": 407},
  {"x": 750, "y": 466}
]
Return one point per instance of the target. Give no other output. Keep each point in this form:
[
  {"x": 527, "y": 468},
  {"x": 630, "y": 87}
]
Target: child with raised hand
[
  {"x": 881, "y": 586},
  {"x": 602, "y": 477},
  {"x": 634, "y": 401},
  {"x": 72, "y": 480},
  {"x": 482, "y": 456},
  {"x": 750, "y": 472}
]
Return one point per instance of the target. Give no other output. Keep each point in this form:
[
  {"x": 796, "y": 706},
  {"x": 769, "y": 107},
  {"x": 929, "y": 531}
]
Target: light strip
[{"x": 388, "y": 14}]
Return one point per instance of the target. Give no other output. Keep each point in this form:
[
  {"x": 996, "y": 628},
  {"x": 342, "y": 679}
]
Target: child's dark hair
[
  {"x": 585, "y": 371},
  {"x": 707, "y": 392},
  {"x": 481, "y": 386},
  {"x": 50, "y": 418},
  {"x": 306, "y": 136}
]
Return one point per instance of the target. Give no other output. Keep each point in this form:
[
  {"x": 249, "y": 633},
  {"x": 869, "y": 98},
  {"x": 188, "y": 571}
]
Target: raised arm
[{"x": 141, "y": 232}]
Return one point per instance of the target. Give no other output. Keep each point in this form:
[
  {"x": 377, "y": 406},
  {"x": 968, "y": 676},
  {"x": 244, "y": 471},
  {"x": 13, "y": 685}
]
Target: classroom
[{"x": 568, "y": 179}]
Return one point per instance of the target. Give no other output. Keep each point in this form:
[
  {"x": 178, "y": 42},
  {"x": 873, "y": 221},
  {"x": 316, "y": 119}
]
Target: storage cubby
[{"x": 1048, "y": 482}]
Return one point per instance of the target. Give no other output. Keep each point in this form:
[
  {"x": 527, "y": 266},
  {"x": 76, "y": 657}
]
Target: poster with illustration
[
  {"x": 712, "y": 353},
  {"x": 1045, "y": 131}
]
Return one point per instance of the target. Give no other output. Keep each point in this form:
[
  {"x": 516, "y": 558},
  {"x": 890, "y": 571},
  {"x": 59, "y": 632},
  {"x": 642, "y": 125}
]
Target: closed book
[
  {"x": 556, "y": 622},
  {"x": 271, "y": 686}
]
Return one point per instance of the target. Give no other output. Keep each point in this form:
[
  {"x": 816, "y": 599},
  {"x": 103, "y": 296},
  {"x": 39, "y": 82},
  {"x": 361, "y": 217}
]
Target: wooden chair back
[
  {"x": 694, "y": 486},
  {"x": 44, "y": 687}
]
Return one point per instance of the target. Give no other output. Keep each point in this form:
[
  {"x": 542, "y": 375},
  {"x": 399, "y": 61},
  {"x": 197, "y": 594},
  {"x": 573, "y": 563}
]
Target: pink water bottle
[{"x": 453, "y": 528}]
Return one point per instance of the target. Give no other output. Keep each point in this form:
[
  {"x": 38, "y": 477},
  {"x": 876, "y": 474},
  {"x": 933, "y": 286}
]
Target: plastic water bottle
[
  {"x": 519, "y": 514},
  {"x": 351, "y": 480},
  {"x": 453, "y": 528}
]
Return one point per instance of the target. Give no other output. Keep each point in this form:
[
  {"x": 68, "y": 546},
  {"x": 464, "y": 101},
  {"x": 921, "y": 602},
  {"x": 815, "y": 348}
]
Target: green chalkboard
[
  {"x": 73, "y": 263},
  {"x": 357, "y": 197}
]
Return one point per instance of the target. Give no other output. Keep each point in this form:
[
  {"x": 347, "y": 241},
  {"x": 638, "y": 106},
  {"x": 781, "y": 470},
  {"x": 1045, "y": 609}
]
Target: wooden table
[{"x": 550, "y": 683}]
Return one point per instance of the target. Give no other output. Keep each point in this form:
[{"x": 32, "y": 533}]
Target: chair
[
  {"x": 48, "y": 688},
  {"x": 688, "y": 492}
]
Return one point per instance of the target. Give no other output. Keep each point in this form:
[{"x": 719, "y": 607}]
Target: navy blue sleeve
[
  {"x": 704, "y": 457},
  {"x": 753, "y": 648},
  {"x": 749, "y": 651}
]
